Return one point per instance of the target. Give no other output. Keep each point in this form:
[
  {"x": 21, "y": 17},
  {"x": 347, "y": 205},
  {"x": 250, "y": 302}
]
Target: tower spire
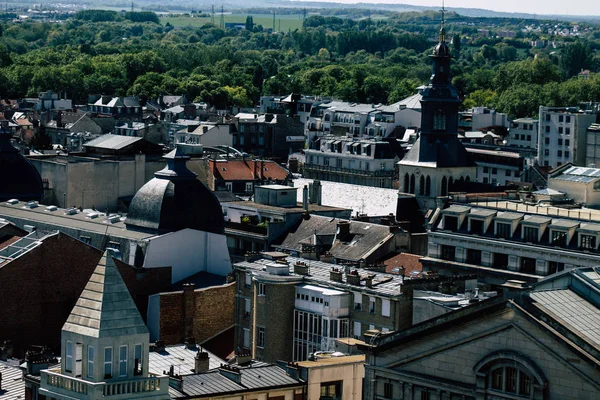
[{"x": 443, "y": 29}]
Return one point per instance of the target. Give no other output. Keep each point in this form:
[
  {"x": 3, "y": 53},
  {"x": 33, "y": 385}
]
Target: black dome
[
  {"x": 175, "y": 200},
  {"x": 442, "y": 50},
  {"x": 18, "y": 177}
]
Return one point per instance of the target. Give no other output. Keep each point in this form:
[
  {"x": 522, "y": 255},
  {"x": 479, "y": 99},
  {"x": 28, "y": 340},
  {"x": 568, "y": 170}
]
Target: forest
[{"x": 362, "y": 59}]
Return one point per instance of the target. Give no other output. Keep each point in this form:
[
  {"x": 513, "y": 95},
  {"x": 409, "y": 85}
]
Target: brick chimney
[{"x": 343, "y": 230}]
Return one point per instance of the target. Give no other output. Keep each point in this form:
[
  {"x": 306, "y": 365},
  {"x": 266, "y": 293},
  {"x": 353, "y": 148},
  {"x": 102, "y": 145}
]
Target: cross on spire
[{"x": 443, "y": 30}]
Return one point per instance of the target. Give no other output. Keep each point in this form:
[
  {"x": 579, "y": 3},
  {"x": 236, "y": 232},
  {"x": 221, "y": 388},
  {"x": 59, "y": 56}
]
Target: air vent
[
  {"x": 92, "y": 215},
  {"x": 71, "y": 211},
  {"x": 13, "y": 201},
  {"x": 51, "y": 208},
  {"x": 113, "y": 219},
  {"x": 31, "y": 204}
]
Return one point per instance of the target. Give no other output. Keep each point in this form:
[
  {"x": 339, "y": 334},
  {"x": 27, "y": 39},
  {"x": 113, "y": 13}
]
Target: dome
[
  {"x": 18, "y": 177},
  {"x": 173, "y": 200},
  {"x": 442, "y": 50}
]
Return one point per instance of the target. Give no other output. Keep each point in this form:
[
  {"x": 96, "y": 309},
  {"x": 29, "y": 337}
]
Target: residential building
[
  {"x": 302, "y": 105},
  {"x": 437, "y": 159},
  {"x": 582, "y": 185},
  {"x": 207, "y": 134},
  {"x": 149, "y": 131},
  {"x": 497, "y": 167},
  {"x": 104, "y": 345},
  {"x": 70, "y": 130},
  {"x": 523, "y": 133},
  {"x": 116, "y": 107},
  {"x": 478, "y": 118},
  {"x": 316, "y": 304},
  {"x": 531, "y": 346},
  {"x": 479, "y": 137},
  {"x": 562, "y": 136},
  {"x": 49, "y": 100},
  {"x": 239, "y": 176},
  {"x": 330, "y": 375},
  {"x": 364, "y": 162},
  {"x": 503, "y": 240},
  {"x": 268, "y": 135},
  {"x": 255, "y": 225}
]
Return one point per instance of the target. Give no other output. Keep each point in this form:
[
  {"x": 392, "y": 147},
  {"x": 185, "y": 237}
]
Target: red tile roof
[
  {"x": 412, "y": 266},
  {"x": 24, "y": 122},
  {"x": 248, "y": 170}
]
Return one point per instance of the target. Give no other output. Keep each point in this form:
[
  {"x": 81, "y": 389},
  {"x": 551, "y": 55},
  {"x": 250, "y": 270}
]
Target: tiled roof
[
  {"x": 410, "y": 262},
  {"x": 244, "y": 170}
]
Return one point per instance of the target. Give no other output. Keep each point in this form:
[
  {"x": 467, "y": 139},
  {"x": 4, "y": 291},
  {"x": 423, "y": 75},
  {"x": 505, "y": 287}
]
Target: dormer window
[
  {"x": 530, "y": 234},
  {"x": 503, "y": 230},
  {"x": 559, "y": 238}
]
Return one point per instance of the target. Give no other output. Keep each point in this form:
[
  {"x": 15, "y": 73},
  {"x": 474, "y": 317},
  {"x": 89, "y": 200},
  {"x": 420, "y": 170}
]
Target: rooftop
[
  {"x": 113, "y": 142},
  {"x": 12, "y": 385},
  {"x": 181, "y": 358},
  {"x": 332, "y": 361}
]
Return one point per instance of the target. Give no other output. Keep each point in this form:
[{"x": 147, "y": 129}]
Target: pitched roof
[
  {"x": 248, "y": 170},
  {"x": 105, "y": 307},
  {"x": 12, "y": 385},
  {"x": 410, "y": 262},
  {"x": 113, "y": 142}
]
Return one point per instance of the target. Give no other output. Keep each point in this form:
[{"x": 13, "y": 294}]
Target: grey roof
[
  {"x": 363, "y": 239},
  {"x": 564, "y": 223},
  {"x": 579, "y": 174},
  {"x": 509, "y": 216},
  {"x": 573, "y": 310},
  {"x": 105, "y": 307},
  {"x": 252, "y": 378},
  {"x": 113, "y": 142},
  {"x": 361, "y": 199},
  {"x": 412, "y": 102},
  {"x": 482, "y": 212},
  {"x": 383, "y": 284},
  {"x": 536, "y": 220},
  {"x": 181, "y": 358},
  {"x": 457, "y": 209},
  {"x": 590, "y": 227},
  {"x": 12, "y": 385}
]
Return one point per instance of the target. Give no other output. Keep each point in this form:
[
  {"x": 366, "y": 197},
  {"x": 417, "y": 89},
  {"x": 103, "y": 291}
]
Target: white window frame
[
  {"x": 372, "y": 305},
  {"x": 123, "y": 361},
  {"x": 90, "y": 363},
  {"x": 141, "y": 359},
  {"x": 261, "y": 337},
  {"x": 248, "y": 279},
  {"x": 247, "y": 307},
  {"x": 69, "y": 356},
  {"x": 246, "y": 338},
  {"x": 357, "y": 329},
  {"x": 261, "y": 289},
  {"x": 249, "y": 186},
  {"x": 358, "y": 301}
]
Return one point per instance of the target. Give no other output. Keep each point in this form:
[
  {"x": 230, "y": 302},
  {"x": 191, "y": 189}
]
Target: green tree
[{"x": 575, "y": 57}]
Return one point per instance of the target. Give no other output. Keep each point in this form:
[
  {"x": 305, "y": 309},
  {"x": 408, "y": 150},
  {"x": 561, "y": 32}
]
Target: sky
[{"x": 562, "y": 7}]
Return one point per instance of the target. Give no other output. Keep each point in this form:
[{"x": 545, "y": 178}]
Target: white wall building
[{"x": 523, "y": 133}]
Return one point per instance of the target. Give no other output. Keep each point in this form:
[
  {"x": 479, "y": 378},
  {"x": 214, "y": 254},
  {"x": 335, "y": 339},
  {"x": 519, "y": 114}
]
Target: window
[
  {"x": 530, "y": 234},
  {"x": 510, "y": 379},
  {"x": 546, "y": 152},
  {"x": 500, "y": 261},
  {"x": 559, "y": 153},
  {"x": 547, "y": 129},
  {"x": 248, "y": 279},
  {"x": 485, "y": 170},
  {"x": 529, "y": 138},
  {"x": 331, "y": 390},
  {"x": 108, "y": 362},
  {"x": 229, "y": 186},
  {"x": 559, "y": 238},
  {"x": 477, "y": 226},
  {"x": 372, "y": 305},
  {"x": 560, "y": 129},
  {"x": 507, "y": 172},
  {"x": 248, "y": 186},
  {"x": 357, "y": 330},
  {"x": 546, "y": 140},
  {"x": 388, "y": 390},
  {"x": 567, "y": 142},
  {"x": 494, "y": 171},
  {"x": 448, "y": 253},
  {"x": 439, "y": 120},
  {"x": 473, "y": 256},
  {"x": 567, "y": 118},
  {"x": 69, "y": 356},
  {"x": 138, "y": 361},
  {"x": 246, "y": 338},
  {"x": 547, "y": 117},
  {"x": 246, "y": 308},
  {"x": 567, "y": 131},
  {"x": 385, "y": 308},
  {"x": 90, "y": 369},
  {"x": 560, "y": 141},
  {"x": 528, "y": 265},
  {"x": 261, "y": 337},
  {"x": 357, "y": 301},
  {"x": 588, "y": 242},
  {"x": 425, "y": 395},
  {"x": 566, "y": 154},
  {"x": 560, "y": 118},
  {"x": 86, "y": 239},
  {"x": 554, "y": 267},
  {"x": 261, "y": 289},
  {"x": 123, "y": 360},
  {"x": 503, "y": 230},
  {"x": 450, "y": 223}
]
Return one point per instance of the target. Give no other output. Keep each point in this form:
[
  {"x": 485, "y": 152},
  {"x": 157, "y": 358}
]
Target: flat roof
[
  {"x": 181, "y": 358},
  {"x": 332, "y": 361},
  {"x": 457, "y": 209},
  {"x": 323, "y": 290},
  {"x": 277, "y": 187}
]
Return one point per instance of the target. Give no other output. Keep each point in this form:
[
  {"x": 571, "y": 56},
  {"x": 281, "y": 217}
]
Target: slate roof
[
  {"x": 181, "y": 358},
  {"x": 112, "y": 142},
  {"x": 363, "y": 238},
  {"x": 252, "y": 379},
  {"x": 412, "y": 102},
  {"x": 105, "y": 307},
  {"x": 12, "y": 385},
  {"x": 442, "y": 152}
]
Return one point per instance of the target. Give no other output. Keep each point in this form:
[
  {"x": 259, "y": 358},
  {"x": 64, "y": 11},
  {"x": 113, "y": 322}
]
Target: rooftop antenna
[
  {"x": 222, "y": 18},
  {"x": 212, "y": 14},
  {"x": 132, "y": 6},
  {"x": 443, "y": 30}
]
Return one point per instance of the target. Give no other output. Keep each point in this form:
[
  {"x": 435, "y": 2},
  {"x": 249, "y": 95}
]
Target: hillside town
[{"x": 304, "y": 247}]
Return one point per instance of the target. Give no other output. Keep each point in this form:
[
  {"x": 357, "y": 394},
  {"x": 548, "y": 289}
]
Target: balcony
[
  {"x": 348, "y": 171},
  {"x": 54, "y": 384}
]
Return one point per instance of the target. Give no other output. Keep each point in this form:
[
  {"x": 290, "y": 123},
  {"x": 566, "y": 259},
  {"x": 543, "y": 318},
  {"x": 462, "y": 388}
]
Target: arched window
[
  {"x": 422, "y": 185},
  {"x": 428, "y": 186},
  {"x": 412, "y": 183},
  {"x": 406, "y": 183},
  {"x": 509, "y": 375},
  {"x": 450, "y": 184},
  {"x": 468, "y": 179},
  {"x": 444, "y": 189}
]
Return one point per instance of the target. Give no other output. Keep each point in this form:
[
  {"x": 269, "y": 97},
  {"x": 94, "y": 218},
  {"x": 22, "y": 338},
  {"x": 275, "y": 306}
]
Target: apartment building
[
  {"x": 502, "y": 240},
  {"x": 562, "y": 135},
  {"x": 367, "y": 162},
  {"x": 523, "y": 133},
  {"x": 497, "y": 167}
]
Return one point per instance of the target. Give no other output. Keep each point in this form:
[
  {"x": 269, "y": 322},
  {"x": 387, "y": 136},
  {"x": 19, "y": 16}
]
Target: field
[{"x": 282, "y": 22}]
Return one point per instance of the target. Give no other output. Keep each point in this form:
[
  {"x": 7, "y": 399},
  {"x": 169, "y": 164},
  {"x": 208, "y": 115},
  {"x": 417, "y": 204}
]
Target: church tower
[{"x": 437, "y": 158}]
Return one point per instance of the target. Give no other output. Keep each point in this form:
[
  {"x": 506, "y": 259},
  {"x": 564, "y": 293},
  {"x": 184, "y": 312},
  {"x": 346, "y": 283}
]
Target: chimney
[
  {"x": 343, "y": 230},
  {"x": 335, "y": 275},
  {"x": 130, "y": 124},
  {"x": 59, "y": 120},
  {"x": 201, "y": 361},
  {"x": 369, "y": 281},
  {"x": 231, "y": 373},
  {"x": 305, "y": 198}
]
